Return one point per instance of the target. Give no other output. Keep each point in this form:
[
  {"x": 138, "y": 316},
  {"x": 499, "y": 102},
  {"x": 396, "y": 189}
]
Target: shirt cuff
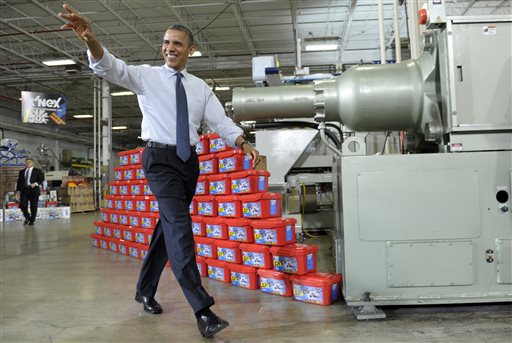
[{"x": 104, "y": 63}]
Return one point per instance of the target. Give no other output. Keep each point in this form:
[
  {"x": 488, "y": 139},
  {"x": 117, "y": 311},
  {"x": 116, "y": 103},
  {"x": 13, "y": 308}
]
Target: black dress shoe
[
  {"x": 30, "y": 223},
  {"x": 26, "y": 222},
  {"x": 210, "y": 324},
  {"x": 150, "y": 304}
]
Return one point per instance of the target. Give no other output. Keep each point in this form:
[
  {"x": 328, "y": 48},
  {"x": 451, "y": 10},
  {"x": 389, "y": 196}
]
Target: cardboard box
[{"x": 262, "y": 164}]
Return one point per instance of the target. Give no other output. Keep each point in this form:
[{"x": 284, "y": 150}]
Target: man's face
[
  {"x": 28, "y": 163},
  {"x": 176, "y": 49}
]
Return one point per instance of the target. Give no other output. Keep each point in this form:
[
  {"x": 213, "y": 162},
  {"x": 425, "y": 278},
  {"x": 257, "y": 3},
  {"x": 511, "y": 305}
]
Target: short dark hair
[
  {"x": 29, "y": 159},
  {"x": 182, "y": 28}
]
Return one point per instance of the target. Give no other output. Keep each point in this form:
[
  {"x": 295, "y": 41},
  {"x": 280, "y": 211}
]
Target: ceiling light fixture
[
  {"x": 321, "y": 47},
  {"x": 54, "y": 63},
  {"x": 82, "y": 116},
  {"x": 196, "y": 53},
  {"x": 119, "y": 127},
  {"x": 222, "y": 88},
  {"x": 123, "y": 93}
]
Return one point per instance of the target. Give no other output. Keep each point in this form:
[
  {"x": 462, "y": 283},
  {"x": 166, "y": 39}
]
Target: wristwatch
[{"x": 245, "y": 142}]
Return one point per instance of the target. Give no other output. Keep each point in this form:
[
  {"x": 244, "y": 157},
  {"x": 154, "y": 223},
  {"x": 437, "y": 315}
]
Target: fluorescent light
[
  {"x": 53, "y": 63},
  {"x": 222, "y": 88},
  {"x": 121, "y": 93},
  {"x": 196, "y": 53},
  {"x": 139, "y": 137},
  {"x": 321, "y": 47},
  {"x": 82, "y": 116},
  {"x": 119, "y": 127}
]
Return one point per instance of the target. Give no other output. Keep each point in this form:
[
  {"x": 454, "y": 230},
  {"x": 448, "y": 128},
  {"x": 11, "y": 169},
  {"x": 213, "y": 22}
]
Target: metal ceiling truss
[{"x": 237, "y": 12}]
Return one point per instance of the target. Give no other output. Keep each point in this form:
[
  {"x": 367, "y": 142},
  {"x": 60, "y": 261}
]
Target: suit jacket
[{"x": 37, "y": 175}]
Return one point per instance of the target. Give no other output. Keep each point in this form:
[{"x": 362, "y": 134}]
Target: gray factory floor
[{"x": 56, "y": 287}]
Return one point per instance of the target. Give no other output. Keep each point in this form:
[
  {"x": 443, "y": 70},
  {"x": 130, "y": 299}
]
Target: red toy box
[
  {"x": 240, "y": 230},
  {"x": 274, "y": 231},
  {"x": 261, "y": 205},
  {"x": 143, "y": 252},
  {"x": 229, "y": 206},
  {"x": 198, "y": 226},
  {"x": 244, "y": 276},
  {"x": 123, "y": 188},
  {"x": 228, "y": 251},
  {"x": 95, "y": 240},
  {"x": 122, "y": 247},
  {"x": 109, "y": 202},
  {"x": 147, "y": 190},
  {"x": 275, "y": 282},
  {"x": 124, "y": 158},
  {"x": 99, "y": 227},
  {"x": 128, "y": 173},
  {"x": 249, "y": 181},
  {"x": 201, "y": 266},
  {"x": 202, "y": 186},
  {"x": 138, "y": 172},
  {"x": 117, "y": 230},
  {"x": 206, "y": 205},
  {"x": 215, "y": 228},
  {"x": 192, "y": 208},
  {"x": 202, "y": 147},
  {"x": 218, "y": 270},
  {"x": 128, "y": 233},
  {"x": 153, "y": 204},
  {"x": 124, "y": 217},
  {"x": 142, "y": 203},
  {"x": 104, "y": 214},
  {"x": 142, "y": 236},
  {"x": 112, "y": 187},
  {"x": 316, "y": 288},
  {"x": 112, "y": 244},
  {"x": 205, "y": 247},
  {"x": 207, "y": 164},
  {"x": 135, "y": 155},
  {"x": 148, "y": 219},
  {"x": 137, "y": 187},
  {"x": 118, "y": 202},
  {"x": 255, "y": 255},
  {"x": 233, "y": 161},
  {"x": 294, "y": 258},
  {"x": 220, "y": 184}
]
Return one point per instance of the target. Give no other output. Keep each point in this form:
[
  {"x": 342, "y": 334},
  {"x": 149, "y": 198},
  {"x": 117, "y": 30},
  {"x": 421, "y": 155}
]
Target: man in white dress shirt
[{"x": 173, "y": 103}]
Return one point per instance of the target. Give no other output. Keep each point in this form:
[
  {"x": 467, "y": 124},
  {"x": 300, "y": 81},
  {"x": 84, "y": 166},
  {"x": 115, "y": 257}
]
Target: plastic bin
[
  {"x": 233, "y": 161},
  {"x": 206, "y": 205},
  {"x": 118, "y": 202},
  {"x": 261, "y": 205},
  {"x": 128, "y": 233},
  {"x": 142, "y": 203},
  {"x": 143, "y": 236},
  {"x": 128, "y": 173},
  {"x": 112, "y": 244},
  {"x": 316, "y": 288},
  {"x": 107, "y": 231},
  {"x": 198, "y": 226},
  {"x": 118, "y": 174},
  {"x": 205, "y": 247},
  {"x": 148, "y": 219},
  {"x": 218, "y": 270},
  {"x": 275, "y": 282},
  {"x": 229, "y": 206},
  {"x": 134, "y": 219},
  {"x": 138, "y": 172},
  {"x": 98, "y": 225},
  {"x": 215, "y": 227},
  {"x": 109, "y": 202},
  {"x": 255, "y": 255},
  {"x": 117, "y": 230},
  {"x": 103, "y": 242},
  {"x": 201, "y": 266},
  {"x": 128, "y": 202},
  {"x": 244, "y": 276},
  {"x": 122, "y": 247},
  {"x": 207, "y": 164},
  {"x": 113, "y": 187},
  {"x": 135, "y": 155},
  {"x": 104, "y": 215},
  {"x": 219, "y": 184},
  {"x": 124, "y": 217},
  {"x": 217, "y": 144},
  {"x": 202, "y": 147},
  {"x": 113, "y": 216},
  {"x": 137, "y": 187},
  {"x": 249, "y": 181},
  {"x": 153, "y": 204},
  {"x": 192, "y": 208},
  {"x": 274, "y": 231},
  {"x": 229, "y": 251},
  {"x": 297, "y": 259},
  {"x": 240, "y": 230},
  {"x": 123, "y": 188},
  {"x": 124, "y": 158},
  {"x": 202, "y": 186}
]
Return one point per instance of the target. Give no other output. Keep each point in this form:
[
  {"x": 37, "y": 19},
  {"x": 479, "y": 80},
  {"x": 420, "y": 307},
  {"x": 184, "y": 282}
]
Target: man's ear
[{"x": 191, "y": 50}]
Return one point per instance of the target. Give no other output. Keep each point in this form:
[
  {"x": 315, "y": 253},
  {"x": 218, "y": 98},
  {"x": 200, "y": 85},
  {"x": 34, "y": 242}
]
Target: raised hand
[{"x": 79, "y": 24}]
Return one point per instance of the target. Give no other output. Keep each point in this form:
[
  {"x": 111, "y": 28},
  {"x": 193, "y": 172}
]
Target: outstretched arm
[{"x": 82, "y": 28}]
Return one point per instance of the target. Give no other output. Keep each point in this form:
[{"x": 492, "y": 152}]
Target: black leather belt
[{"x": 151, "y": 144}]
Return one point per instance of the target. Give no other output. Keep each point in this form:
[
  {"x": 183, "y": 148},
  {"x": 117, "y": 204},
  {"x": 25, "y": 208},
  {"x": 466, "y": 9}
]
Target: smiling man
[{"x": 173, "y": 103}]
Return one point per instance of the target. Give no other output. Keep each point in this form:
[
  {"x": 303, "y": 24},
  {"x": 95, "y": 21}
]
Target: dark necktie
[{"x": 182, "y": 134}]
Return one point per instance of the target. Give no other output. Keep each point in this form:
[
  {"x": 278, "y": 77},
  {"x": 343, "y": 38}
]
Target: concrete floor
[{"x": 55, "y": 287}]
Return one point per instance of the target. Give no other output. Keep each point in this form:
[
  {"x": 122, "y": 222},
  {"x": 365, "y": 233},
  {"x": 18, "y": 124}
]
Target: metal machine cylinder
[{"x": 365, "y": 98}]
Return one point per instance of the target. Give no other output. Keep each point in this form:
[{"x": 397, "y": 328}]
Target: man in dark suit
[{"x": 27, "y": 190}]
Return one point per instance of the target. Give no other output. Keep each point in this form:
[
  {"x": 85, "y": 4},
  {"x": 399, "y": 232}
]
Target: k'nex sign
[{"x": 43, "y": 108}]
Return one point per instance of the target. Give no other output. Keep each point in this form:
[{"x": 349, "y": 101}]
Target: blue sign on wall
[{"x": 43, "y": 108}]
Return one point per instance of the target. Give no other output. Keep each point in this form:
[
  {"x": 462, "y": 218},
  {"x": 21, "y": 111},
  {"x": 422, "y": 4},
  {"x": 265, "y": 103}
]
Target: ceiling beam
[
  {"x": 346, "y": 29},
  {"x": 468, "y": 6},
  {"x": 237, "y": 12}
]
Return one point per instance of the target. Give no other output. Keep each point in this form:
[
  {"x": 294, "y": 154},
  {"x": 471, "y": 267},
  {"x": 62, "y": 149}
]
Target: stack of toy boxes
[
  {"x": 240, "y": 235},
  {"x": 130, "y": 210}
]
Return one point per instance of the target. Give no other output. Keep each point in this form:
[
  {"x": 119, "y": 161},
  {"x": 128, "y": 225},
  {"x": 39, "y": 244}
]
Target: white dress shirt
[
  {"x": 28, "y": 175},
  {"x": 156, "y": 92}
]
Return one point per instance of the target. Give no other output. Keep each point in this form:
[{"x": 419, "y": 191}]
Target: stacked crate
[
  {"x": 240, "y": 236},
  {"x": 130, "y": 211}
]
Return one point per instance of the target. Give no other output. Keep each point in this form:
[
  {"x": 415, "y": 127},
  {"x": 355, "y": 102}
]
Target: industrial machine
[{"x": 433, "y": 226}]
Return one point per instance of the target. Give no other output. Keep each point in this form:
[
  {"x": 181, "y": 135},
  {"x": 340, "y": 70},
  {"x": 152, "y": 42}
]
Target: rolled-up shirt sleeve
[
  {"x": 117, "y": 71},
  {"x": 218, "y": 121}
]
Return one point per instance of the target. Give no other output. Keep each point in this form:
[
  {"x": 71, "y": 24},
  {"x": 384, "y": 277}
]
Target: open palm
[{"x": 77, "y": 23}]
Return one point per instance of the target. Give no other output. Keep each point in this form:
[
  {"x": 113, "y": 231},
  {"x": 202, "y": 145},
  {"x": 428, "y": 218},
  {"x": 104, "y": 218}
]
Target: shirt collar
[{"x": 173, "y": 71}]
